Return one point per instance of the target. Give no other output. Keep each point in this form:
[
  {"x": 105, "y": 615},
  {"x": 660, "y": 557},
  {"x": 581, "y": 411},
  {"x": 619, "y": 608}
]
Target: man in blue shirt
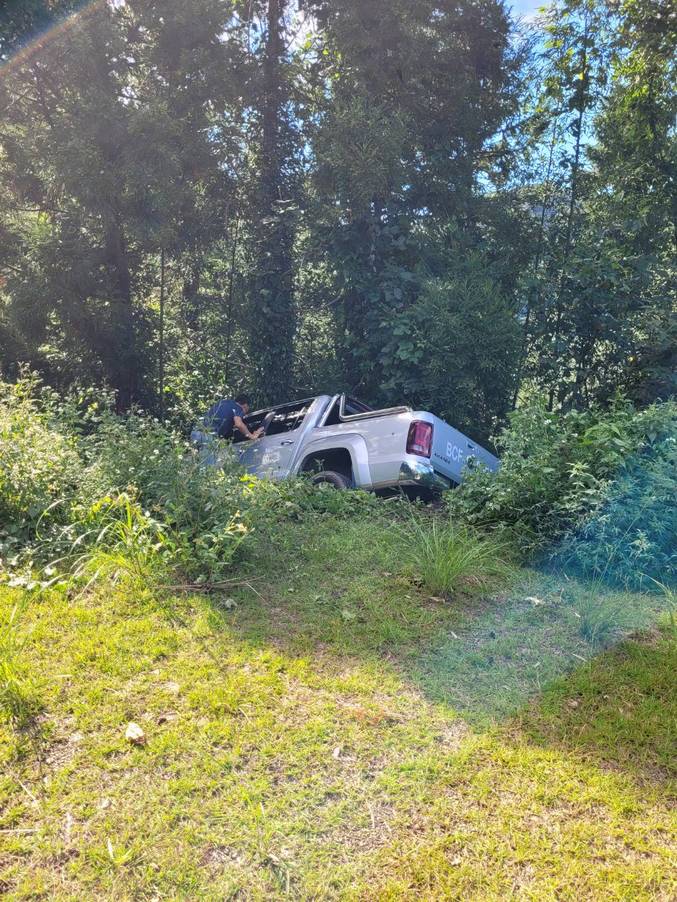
[
  {"x": 225, "y": 415},
  {"x": 222, "y": 419}
]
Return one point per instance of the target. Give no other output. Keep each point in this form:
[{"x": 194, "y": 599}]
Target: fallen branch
[{"x": 208, "y": 587}]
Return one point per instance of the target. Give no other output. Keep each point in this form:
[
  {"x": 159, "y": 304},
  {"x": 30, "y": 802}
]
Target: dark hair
[{"x": 243, "y": 399}]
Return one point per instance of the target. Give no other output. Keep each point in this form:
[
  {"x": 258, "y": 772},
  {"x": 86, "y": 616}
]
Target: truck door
[
  {"x": 272, "y": 455},
  {"x": 277, "y": 454}
]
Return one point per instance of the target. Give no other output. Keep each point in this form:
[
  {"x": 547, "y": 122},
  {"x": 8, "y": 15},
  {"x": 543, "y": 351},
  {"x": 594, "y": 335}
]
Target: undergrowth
[
  {"x": 591, "y": 492},
  {"x": 77, "y": 481}
]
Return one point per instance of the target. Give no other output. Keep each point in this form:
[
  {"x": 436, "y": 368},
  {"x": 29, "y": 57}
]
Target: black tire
[{"x": 338, "y": 480}]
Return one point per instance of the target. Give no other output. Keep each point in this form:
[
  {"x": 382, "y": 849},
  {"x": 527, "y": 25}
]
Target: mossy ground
[{"x": 330, "y": 731}]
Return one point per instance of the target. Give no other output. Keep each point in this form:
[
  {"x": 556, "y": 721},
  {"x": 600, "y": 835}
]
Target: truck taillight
[{"x": 420, "y": 438}]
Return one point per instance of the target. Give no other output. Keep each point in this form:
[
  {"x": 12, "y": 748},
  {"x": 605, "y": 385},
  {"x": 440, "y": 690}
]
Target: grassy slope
[{"x": 337, "y": 734}]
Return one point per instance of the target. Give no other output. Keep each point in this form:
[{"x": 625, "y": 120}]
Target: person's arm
[{"x": 241, "y": 426}]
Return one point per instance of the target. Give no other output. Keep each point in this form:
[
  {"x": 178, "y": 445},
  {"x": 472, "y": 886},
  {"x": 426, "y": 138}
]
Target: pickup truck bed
[{"x": 370, "y": 449}]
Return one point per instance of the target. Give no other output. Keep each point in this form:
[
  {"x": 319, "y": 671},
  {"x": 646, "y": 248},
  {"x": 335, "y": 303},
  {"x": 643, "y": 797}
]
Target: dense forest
[{"x": 429, "y": 202}]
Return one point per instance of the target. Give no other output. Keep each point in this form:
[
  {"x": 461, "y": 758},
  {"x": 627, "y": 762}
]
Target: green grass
[
  {"x": 329, "y": 730},
  {"x": 17, "y": 703}
]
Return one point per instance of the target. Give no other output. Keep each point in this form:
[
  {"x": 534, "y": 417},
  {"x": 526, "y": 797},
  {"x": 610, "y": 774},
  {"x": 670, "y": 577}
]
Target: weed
[
  {"x": 602, "y": 615},
  {"x": 670, "y": 596}
]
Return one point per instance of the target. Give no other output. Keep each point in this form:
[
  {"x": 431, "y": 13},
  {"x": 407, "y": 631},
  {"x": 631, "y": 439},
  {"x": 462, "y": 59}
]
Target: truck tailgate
[{"x": 452, "y": 450}]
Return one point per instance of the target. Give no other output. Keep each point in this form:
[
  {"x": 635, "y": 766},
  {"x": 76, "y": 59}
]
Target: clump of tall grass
[
  {"x": 670, "y": 598},
  {"x": 446, "y": 557},
  {"x": 601, "y": 617}
]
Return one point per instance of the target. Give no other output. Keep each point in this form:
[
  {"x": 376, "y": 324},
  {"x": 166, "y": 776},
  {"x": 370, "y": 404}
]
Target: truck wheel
[{"x": 338, "y": 480}]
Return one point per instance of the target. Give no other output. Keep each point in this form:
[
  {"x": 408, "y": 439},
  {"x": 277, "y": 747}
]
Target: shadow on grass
[
  {"x": 335, "y": 594},
  {"x": 508, "y": 649},
  {"x": 619, "y": 710}
]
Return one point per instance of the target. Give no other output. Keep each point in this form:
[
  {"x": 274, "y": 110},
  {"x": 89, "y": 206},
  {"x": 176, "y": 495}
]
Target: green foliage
[
  {"x": 360, "y": 152},
  {"x": 454, "y": 350},
  {"x": 73, "y": 483},
  {"x": 116, "y": 535},
  {"x": 111, "y": 535},
  {"x": 630, "y": 538},
  {"x": 17, "y": 699},
  {"x": 557, "y": 468},
  {"x": 407, "y": 122},
  {"x": 379, "y": 206},
  {"x": 86, "y": 208},
  {"x": 446, "y": 558},
  {"x": 39, "y": 465},
  {"x": 85, "y": 490},
  {"x": 181, "y": 513},
  {"x": 598, "y": 295}
]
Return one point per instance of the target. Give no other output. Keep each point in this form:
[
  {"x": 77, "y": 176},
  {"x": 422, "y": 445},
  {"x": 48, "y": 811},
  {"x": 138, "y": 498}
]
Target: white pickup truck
[{"x": 343, "y": 442}]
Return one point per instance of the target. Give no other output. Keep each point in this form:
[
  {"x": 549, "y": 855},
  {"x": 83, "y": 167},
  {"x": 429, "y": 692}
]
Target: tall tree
[
  {"x": 272, "y": 212},
  {"x": 575, "y": 59},
  {"x": 634, "y": 202},
  {"x": 416, "y": 95},
  {"x": 603, "y": 289},
  {"x": 110, "y": 157}
]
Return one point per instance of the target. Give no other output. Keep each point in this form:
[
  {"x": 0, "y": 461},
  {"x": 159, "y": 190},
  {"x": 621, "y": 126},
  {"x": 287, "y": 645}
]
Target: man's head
[{"x": 244, "y": 402}]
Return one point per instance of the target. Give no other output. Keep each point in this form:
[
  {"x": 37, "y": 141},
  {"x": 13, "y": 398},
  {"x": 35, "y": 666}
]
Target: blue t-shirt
[{"x": 220, "y": 416}]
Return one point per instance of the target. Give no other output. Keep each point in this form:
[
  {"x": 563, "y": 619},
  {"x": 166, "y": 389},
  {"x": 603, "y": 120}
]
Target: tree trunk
[
  {"x": 536, "y": 266},
  {"x": 122, "y": 360},
  {"x": 230, "y": 305},
  {"x": 575, "y": 167},
  {"x": 272, "y": 306}
]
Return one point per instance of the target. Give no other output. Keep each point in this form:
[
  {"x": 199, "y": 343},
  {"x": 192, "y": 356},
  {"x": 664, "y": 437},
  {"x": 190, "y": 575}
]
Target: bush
[
  {"x": 630, "y": 539},
  {"x": 39, "y": 464},
  {"x": 77, "y": 481},
  {"x": 142, "y": 484},
  {"x": 557, "y": 469}
]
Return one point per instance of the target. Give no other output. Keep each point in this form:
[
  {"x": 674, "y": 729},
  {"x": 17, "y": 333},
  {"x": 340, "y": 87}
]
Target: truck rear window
[
  {"x": 276, "y": 420},
  {"x": 350, "y": 407},
  {"x": 353, "y": 406}
]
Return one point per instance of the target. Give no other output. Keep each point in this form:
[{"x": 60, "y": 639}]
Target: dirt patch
[
  {"x": 453, "y": 734},
  {"x": 216, "y": 858},
  {"x": 64, "y": 743}
]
